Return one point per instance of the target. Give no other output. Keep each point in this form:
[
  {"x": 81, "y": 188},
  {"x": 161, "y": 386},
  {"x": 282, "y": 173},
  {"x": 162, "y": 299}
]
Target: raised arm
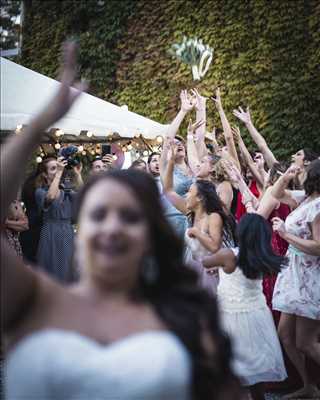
[
  {"x": 187, "y": 104},
  {"x": 20, "y": 147},
  {"x": 166, "y": 175},
  {"x": 200, "y": 133},
  {"x": 245, "y": 117},
  {"x": 192, "y": 151},
  {"x": 247, "y": 157},
  {"x": 226, "y": 129},
  {"x": 21, "y": 286},
  {"x": 279, "y": 188},
  {"x": 249, "y": 199}
]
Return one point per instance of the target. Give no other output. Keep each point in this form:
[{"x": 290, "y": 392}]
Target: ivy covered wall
[{"x": 267, "y": 55}]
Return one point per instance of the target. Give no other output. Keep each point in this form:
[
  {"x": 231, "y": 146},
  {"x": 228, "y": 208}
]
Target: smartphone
[{"x": 105, "y": 149}]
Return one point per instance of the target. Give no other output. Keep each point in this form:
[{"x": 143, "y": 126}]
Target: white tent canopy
[{"x": 25, "y": 92}]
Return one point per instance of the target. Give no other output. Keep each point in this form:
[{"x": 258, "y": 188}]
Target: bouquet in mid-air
[{"x": 194, "y": 53}]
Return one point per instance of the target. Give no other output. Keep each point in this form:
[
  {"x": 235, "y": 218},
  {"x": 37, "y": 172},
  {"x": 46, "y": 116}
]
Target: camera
[{"x": 69, "y": 154}]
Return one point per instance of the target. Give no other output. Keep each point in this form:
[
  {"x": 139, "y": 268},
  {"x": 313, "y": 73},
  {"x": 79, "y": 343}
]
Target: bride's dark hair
[{"x": 188, "y": 311}]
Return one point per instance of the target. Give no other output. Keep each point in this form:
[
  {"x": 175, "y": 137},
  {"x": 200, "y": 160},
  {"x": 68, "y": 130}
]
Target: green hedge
[{"x": 266, "y": 55}]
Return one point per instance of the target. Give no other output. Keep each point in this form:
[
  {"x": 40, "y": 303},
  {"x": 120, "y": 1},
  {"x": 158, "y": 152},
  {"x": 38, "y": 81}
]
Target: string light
[
  {"x": 129, "y": 147},
  {"x": 124, "y": 149},
  {"x": 57, "y": 146},
  {"x": 39, "y": 159},
  {"x": 80, "y": 148},
  {"x": 159, "y": 139},
  {"x": 146, "y": 153},
  {"x": 42, "y": 154},
  {"x": 19, "y": 128},
  {"x": 59, "y": 132},
  {"x": 89, "y": 134}
]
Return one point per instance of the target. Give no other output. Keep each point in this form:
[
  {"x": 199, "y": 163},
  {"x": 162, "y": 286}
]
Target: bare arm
[
  {"x": 20, "y": 283},
  {"x": 245, "y": 117},
  {"x": 19, "y": 226},
  {"x": 187, "y": 104},
  {"x": 308, "y": 246},
  {"x": 201, "y": 130},
  {"x": 193, "y": 155},
  {"x": 213, "y": 240},
  {"x": 248, "y": 159},
  {"x": 166, "y": 175},
  {"x": 19, "y": 147},
  {"x": 279, "y": 188},
  {"x": 226, "y": 129},
  {"x": 224, "y": 258}
]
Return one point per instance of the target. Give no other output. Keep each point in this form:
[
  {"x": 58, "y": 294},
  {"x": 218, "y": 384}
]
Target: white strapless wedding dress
[{"x": 57, "y": 364}]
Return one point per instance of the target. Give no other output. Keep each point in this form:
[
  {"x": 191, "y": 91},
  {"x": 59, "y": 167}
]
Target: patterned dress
[
  {"x": 297, "y": 287},
  {"x": 55, "y": 249}
]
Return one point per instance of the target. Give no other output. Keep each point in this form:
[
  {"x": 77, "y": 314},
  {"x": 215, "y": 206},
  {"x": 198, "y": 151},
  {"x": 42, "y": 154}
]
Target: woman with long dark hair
[
  {"x": 210, "y": 226},
  {"x": 245, "y": 314},
  {"x": 136, "y": 325}
]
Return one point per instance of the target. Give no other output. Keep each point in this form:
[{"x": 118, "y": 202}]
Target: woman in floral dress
[{"x": 297, "y": 291}]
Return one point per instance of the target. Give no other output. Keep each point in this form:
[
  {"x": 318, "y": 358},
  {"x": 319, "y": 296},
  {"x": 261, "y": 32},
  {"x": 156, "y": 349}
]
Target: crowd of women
[{"x": 193, "y": 278}]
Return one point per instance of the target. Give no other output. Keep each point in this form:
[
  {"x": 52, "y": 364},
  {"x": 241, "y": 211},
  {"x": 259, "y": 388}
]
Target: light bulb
[
  {"x": 59, "y": 132},
  {"x": 57, "y": 146},
  {"x": 39, "y": 159},
  {"x": 80, "y": 148},
  {"x": 130, "y": 147},
  {"x": 89, "y": 134},
  {"x": 159, "y": 139},
  {"x": 146, "y": 153}
]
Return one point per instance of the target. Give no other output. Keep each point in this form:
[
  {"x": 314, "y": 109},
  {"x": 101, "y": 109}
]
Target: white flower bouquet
[{"x": 194, "y": 53}]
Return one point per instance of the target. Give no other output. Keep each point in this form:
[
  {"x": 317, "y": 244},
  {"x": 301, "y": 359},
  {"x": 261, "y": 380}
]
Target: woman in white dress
[
  {"x": 211, "y": 228},
  {"x": 297, "y": 290},
  {"x": 245, "y": 314},
  {"x": 136, "y": 325}
]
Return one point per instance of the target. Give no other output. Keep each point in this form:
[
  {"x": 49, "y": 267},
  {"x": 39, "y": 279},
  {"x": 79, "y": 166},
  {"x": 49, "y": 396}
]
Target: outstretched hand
[
  {"x": 217, "y": 99},
  {"x": 187, "y": 102},
  {"x": 68, "y": 91},
  {"x": 236, "y": 133},
  {"x": 244, "y": 116},
  {"x": 200, "y": 101}
]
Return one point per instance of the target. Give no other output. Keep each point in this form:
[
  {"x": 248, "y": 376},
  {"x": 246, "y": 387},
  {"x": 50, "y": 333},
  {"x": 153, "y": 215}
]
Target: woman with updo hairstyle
[
  {"x": 296, "y": 293},
  {"x": 136, "y": 325}
]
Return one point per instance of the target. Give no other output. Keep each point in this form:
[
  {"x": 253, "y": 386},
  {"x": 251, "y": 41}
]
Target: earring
[{"x": 150, "y": 271}]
